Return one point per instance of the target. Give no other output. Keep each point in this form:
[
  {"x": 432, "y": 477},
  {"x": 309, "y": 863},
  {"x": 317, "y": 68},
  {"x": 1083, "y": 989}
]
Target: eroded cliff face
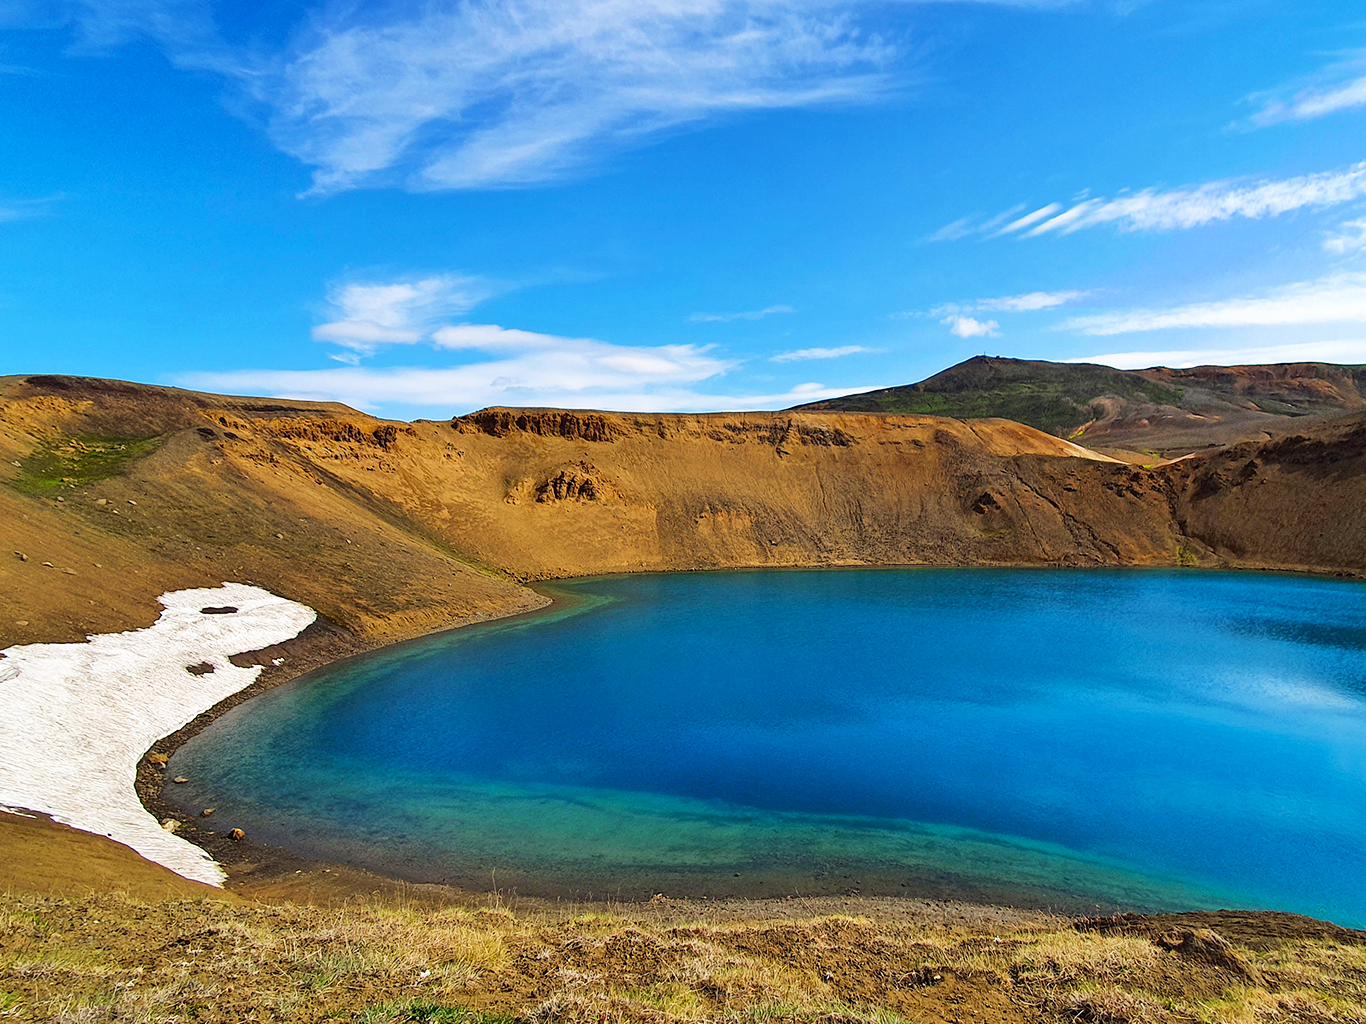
[
  {"x": 688, "y": 492},
  {"x": 1296, "y": 501},
  {"x": 393, "y": 530}
]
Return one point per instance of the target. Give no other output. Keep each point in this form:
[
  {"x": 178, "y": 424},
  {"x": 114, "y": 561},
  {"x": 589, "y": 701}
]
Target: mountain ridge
[
  {"x": 392, "y": 530},
  {"x": 1162, "y": 410}
]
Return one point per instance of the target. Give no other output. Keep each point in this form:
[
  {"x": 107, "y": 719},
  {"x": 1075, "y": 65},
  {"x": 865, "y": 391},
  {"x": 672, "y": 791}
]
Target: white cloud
[
  {"x": 493, "y": 338},
  {"x": 1352, "y": 352},
  {"x": 725, "y": 318},
  {"x": 516, "y": 92},
  {"x": 454, "y": 94},
  {"x": 1341, "y": 87},
  {"x": 960, "y": 228},
  {"x": 444, "y": 391},
  {"x": 577, "y": 363},
  {"x": 25, "y": 209},
  {"x": 1318, "y": 102},
  {"x": 1351, "y": 238},
  {"x": 1181, "y": 208},
  {"x": 184, "y": 29},
  {"x": 1020, "y": 223},
  {"x": 500, "y": 364},
  {"x": 817, "y": 353},
  {"x": 1340, "y": 298},
  {"x": 1176, "y": 209},
  {"x": 951, "y": 312},
  {"x": 1028, "y": 302},
  {"x": 967, "y": 327},
  {"x": 369, "y": 315}
]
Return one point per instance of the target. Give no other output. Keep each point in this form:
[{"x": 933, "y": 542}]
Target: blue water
[{"x": 1077, "y": 739}]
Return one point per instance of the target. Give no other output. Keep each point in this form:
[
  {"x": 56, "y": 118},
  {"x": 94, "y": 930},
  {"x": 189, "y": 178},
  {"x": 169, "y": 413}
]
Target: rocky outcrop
[
  {"x": 578, "y": 482},
  {"x": 1292, "y": 502},
  {"x": 541, "y": 422},
  {"x": 384, "y": 436},
  {"x": 1209, "y": 947}
]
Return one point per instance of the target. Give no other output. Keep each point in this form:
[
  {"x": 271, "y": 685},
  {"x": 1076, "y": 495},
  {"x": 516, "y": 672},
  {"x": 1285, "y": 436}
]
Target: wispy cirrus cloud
[
  {"x": 1021, "y": 223},
  {"x": 959, "y": 319},
  {"x": 1339, "y": 87},
  {"x": 803, "y": 354},
  {"x": 489, "y": 364},
  {"x": 505, "y": 367},
  {"x": 1025, "y": 303},
  {"x": 178, "y": 24},
  {"x": 725, "y": 318},
  {"x": 1340, "y": 298},
  {"x": 26, "y": 209},
  {"x": 1030, "y": 301},
  {"x": 1316, "y": 103},
  {"x": 1350, "y": 238},
  {"x": 518, "y": 92},
  {"x": 461, "y": 94},
  {"x": 1178, "y": 209},
  {"x": 495, "y": 364},
  {"x": 974, "y": 225}
]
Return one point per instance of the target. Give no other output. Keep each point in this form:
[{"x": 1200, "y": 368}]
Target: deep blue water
[{"x": 1078, "y": 739}]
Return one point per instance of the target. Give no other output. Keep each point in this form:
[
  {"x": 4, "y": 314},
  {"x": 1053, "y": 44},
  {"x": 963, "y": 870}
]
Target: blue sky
[{"x": 426, "y": 208}]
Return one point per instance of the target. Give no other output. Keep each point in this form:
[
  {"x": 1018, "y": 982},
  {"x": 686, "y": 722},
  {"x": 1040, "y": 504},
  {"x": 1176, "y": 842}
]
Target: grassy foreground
[{"x": 112, "y": 957}]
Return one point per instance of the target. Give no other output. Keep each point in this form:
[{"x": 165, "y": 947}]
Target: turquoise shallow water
[{"x": 1078, "y": 739}]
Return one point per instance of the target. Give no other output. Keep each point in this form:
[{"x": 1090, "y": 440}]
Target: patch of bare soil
[{"x": 38, "y": 855}]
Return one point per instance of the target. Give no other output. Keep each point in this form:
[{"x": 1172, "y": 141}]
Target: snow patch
[{"x": 75, "y": 718}]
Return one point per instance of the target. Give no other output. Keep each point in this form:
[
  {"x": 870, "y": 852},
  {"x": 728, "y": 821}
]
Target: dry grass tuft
[
  {"x": 1109, "y": 1004},
  {"x": 1073, "y": 958},
  {"x": 107, "y": 959}
]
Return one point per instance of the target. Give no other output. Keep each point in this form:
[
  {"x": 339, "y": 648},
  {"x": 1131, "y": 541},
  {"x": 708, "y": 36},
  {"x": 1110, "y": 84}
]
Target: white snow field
[{"x": 75, "y": 718}]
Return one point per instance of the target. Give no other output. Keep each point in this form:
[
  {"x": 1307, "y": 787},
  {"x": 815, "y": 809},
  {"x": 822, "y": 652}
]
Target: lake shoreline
[
  {"x": 100, "y": 701},
  {"x": 322, "y": 646},
  {"x": 258, "y": 856}
]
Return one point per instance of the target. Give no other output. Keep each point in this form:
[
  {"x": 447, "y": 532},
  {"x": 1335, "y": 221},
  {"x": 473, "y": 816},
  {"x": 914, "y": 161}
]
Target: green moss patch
[{"x": 70, "y": 462}]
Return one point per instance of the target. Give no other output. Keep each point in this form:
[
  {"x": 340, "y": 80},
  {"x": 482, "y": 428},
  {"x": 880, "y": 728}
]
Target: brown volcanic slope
[
  {"x": 1159, "y": 411},
  {"x": 394, "y": 530}
]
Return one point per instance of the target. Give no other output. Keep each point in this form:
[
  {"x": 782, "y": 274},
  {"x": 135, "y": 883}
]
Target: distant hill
[{"x": 1161, "y": 408}]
